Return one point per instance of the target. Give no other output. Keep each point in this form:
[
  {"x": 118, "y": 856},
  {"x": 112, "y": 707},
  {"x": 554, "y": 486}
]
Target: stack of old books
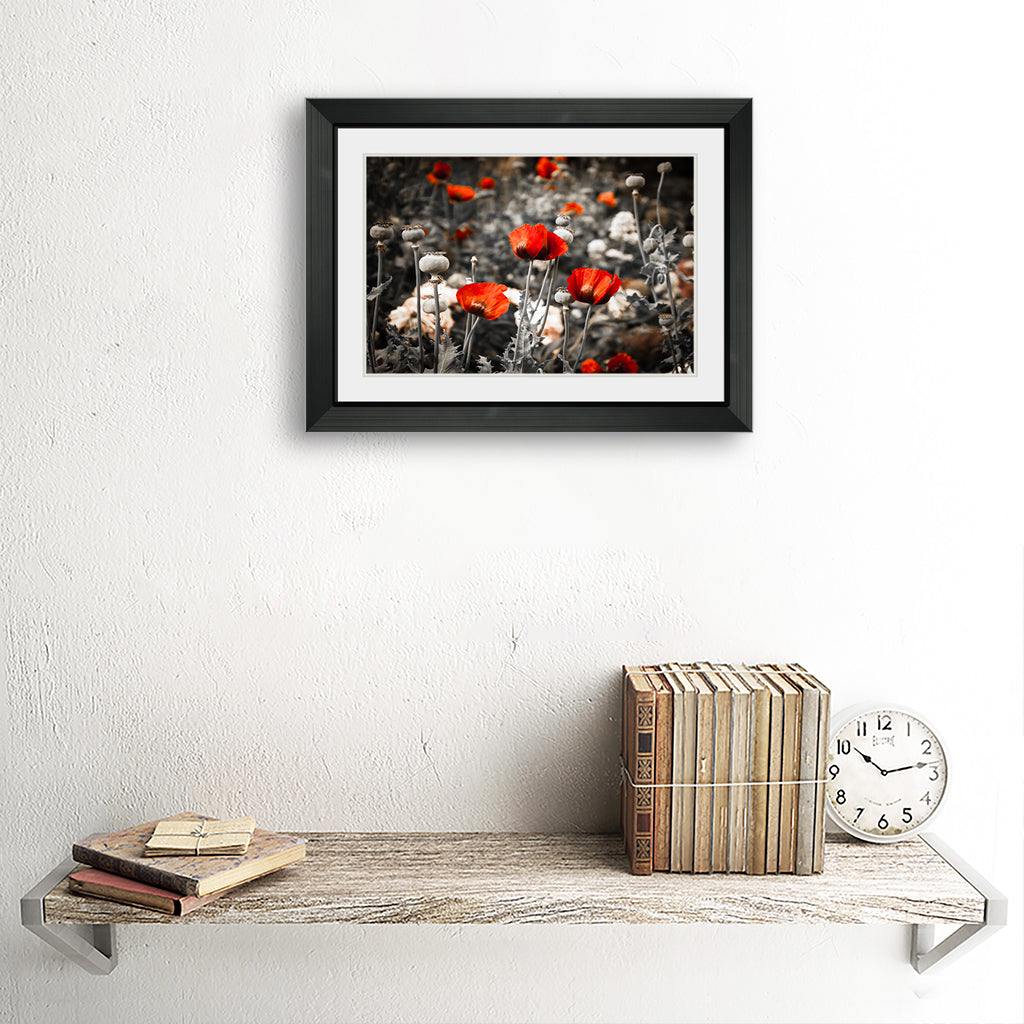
[
  {"x": 722, "y": 768},
  {"x": 180, "y": 863}
]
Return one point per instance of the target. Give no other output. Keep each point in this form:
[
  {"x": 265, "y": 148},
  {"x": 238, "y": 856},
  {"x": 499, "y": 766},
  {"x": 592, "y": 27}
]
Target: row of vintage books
[
  {"x": 125, "y": 866},
  {"x": 723, "y": 768}
]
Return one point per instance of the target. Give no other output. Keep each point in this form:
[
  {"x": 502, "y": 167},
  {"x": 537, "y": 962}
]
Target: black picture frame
[{"x": 323, "y": 119}]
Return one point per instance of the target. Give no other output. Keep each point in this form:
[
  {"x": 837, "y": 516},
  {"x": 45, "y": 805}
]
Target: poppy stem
[
  {"x": 543, "y": 285},
  {"x": 551, "y": 289},
  {"x": 419, "y": 301},
  {"x": 470, "y": 328},
  {"x": 524, "y": 306},
  {"x": 376, "y": 305},
  {"x": 437, "y": 326},
  {"x": 583, "y": 340},
  {"x": 639, "y": 233},
  {"x": 657, "y": 198},
  {"x": 565, "y": 343}
]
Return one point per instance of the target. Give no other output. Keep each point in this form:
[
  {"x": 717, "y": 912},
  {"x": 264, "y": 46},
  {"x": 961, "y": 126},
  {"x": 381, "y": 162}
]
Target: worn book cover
[
  {"x": 689, "y": 765},
  {"x": 675, "y": 846},
  {"x": 663, "y": 697},
  {"x": 721, "y": 792},
  {"x": 106, "y": 886},
  {"x": 760, "y": 731},
  {"x": 824, "y": 720},
  {"x": 640, "y": 718},
  {"x": 704, "y": 776},
  {"x": 123, "y": 853},
  {"x": 739, "y": 775},
  {"x": 789, "y": 768},
  {"x": 810, "y": 704}
]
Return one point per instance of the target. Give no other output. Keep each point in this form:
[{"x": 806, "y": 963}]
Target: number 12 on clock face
[{"x": 886, "y": 773}]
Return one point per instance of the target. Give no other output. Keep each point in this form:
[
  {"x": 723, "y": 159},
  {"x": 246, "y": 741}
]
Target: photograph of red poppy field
[{"x": 530, "y": 265}]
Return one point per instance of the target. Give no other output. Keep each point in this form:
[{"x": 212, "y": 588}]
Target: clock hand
[
  {"x": 870, "y": 762},
  {"x": 920, "y": 764}
]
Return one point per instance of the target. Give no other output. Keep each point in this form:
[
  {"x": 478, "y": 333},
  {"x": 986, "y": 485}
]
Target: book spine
[
  {"x": 689, "y": 775},
  {"x": 771, "y": 859},
  {"x": 824, "y": 724},
  {"x": 809, "y": 709},
  {"x": 147, "y": 872},
  {"x": 760, "y": 712},
  {"x": 721, "y": 790},
  {"x": 790, "y": 775},
  {"x": 662, "y": 773},
  {"x": 642, "y": 749},
  {"x": 625, "y": 793},
  {"x": 704, "y": 801},
  {"x": 740, "y": 821}
]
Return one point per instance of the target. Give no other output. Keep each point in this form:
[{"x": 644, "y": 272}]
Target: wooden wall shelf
[{"x": 497, "y": 878}]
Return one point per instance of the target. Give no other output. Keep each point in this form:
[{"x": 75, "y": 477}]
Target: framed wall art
[{"x": 528, "y": 264}]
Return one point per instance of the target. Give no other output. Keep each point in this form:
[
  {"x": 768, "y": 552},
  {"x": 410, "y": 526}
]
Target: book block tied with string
[
  {"x": 722, "y": 768},
  {"x": 191, "y": 837}
]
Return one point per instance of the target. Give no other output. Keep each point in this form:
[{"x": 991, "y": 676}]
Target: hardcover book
[
  {"x": 721, "y": 791},
  {"x": 739, "y": 775},
  {"x": 104, "y": 885},
  {"x": 663, "y": 698},
  {"x": 689, "y": 765},
  {"x": 640, "y": 719},
  {"x": 789, "y": 767},
  {"x": 675, "y": 845},
  {"x": 704, "y": 775},
  {"x": 760, "y": 732},
  {"x": 123, "y": 853}
]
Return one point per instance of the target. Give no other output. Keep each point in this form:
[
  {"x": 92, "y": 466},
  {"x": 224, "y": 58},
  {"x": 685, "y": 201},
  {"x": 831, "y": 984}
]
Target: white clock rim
[{"x": 837, "y": 722}]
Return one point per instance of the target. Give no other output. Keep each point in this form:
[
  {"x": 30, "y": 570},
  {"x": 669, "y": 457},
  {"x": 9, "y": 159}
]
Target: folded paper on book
[{"x": 180, "y": 837}]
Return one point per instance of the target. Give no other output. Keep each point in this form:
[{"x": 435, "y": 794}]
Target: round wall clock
[{"x": 886, "y": 772}]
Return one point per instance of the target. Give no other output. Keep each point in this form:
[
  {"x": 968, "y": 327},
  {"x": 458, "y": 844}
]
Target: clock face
[{"x": 886, "y": 774}]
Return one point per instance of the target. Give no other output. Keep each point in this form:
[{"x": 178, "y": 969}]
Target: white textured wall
[{"x": 206, "y": 608}]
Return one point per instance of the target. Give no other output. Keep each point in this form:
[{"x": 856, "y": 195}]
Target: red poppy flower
[
  {"x": 535, "y": 242},
  {"x": 622, "y": 364},
  {"x": 546, "y": 167},
  {"x": 460, "y": 193},
  {"x": 486, "y": 183},
  {"x": 592, "y": 286},
  {"x": 441, "y": 172},
  {"x": 461, "y": 234},
  {"x": 608, "y": 198},
  {"x": 591, "y": 366},
  {"x": 571, "y": 209},
  {"x": 483, "y": 298}
]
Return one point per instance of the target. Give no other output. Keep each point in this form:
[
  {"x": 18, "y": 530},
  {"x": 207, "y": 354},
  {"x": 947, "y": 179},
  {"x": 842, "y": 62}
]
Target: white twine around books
[{"x": 710, "y": 785}]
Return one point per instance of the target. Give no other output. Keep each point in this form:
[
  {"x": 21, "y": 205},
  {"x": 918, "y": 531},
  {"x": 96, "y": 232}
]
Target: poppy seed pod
[
  {"x": 635, "y": 181},
  {"x": 688, "y": 240},
  {"x": 413, "y": 232},
  {"x": 666, "y": 320},
  {"x": 563, "y": 220},
  {"x": 565, "y": 234},
  {"x": 650, "y": 243},
  {"x": 563, "y": 296},
  {"x": 429, "y": 306},
  {"x": 665, "y": 167},
  {"x": 382, "y": 231},
  {"x": 433, "y": 263}
]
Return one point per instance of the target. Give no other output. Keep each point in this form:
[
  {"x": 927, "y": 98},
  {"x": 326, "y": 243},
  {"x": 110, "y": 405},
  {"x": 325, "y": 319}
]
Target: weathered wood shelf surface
[{"x": 496, "y": 878}]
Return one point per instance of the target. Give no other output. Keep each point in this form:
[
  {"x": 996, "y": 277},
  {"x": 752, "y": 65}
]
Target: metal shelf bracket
[
  {"x": 925, "y": 953},
  {"x": 91, "y": 946}
]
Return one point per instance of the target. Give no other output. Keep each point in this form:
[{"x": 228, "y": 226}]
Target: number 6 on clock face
[{"x": 886, "y": 774}]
